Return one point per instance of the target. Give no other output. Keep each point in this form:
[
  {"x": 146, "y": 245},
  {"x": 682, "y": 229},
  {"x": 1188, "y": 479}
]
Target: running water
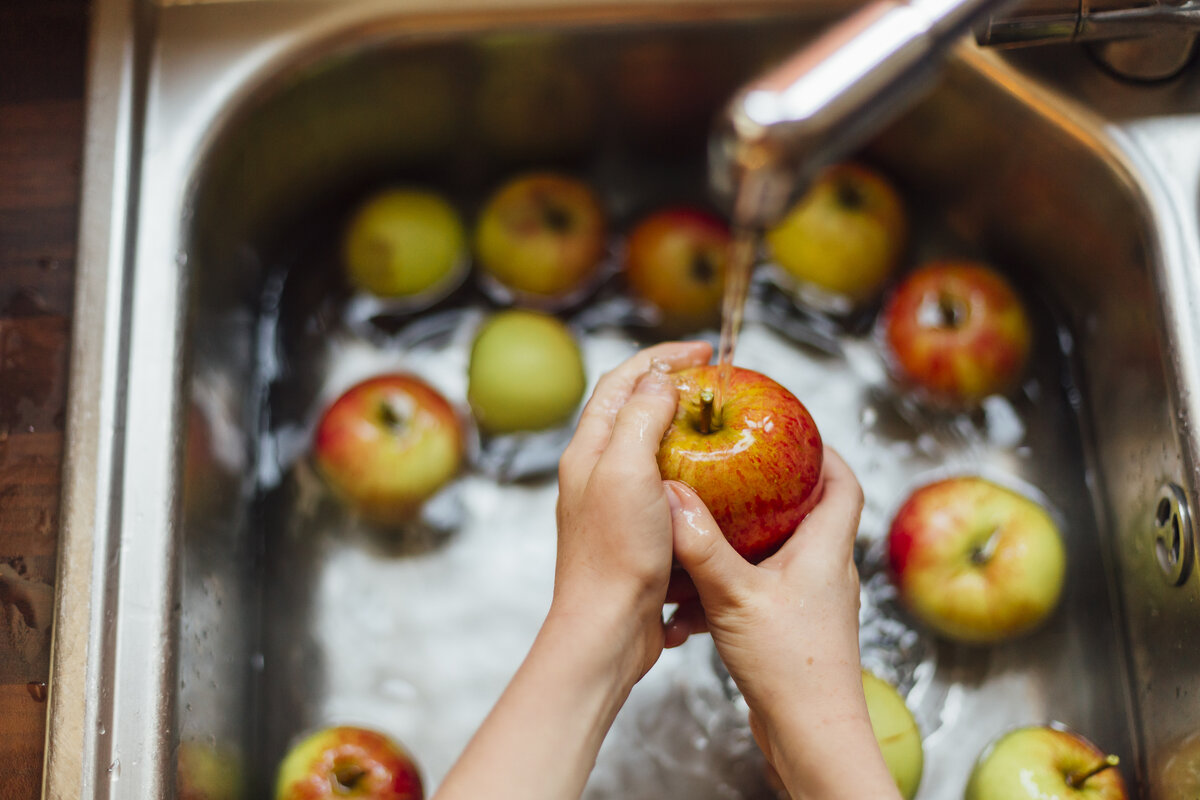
[{"x": 740, "y": 264}]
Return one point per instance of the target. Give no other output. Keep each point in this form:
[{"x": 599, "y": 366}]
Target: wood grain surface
[{"x": 42, "y": 53}]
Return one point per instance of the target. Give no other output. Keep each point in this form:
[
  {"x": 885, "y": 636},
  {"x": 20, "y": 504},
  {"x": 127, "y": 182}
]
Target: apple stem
[
  {"x": 707, "y": 411},
  {"x": 1077, "y": 779},
  {"x": 983, "y": 554}
]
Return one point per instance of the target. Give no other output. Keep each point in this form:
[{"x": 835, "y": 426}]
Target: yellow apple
[{"x": 897, "y": 733}]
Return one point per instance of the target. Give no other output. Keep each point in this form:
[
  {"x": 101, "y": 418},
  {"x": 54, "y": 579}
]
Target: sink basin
[{"x": 214, "y": 603}]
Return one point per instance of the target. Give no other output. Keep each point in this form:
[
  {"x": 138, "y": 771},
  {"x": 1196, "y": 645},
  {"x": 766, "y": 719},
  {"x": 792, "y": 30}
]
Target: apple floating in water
[
  {"x": 541, "y": 236},
  {"x": 387, "y": 445},
  {"x": 846, "y": 236},
  {"x": 1040, "y": 762},
  {"x": 348, "y": 762},
  {"x": 975, "y": 561},
  {"x": 897, "y": 733},
  {"x": 405, "y": 244},
  {"x": 525, "y": 373},
  {"x": 675, "y": 260},
  {"x": 755, "y": 461},
  {"x": 956, "y": 332}
]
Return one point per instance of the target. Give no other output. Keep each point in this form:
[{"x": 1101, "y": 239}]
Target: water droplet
[
  {"x": 114, "y": 768},
  {"x": 37, "y": 690}
]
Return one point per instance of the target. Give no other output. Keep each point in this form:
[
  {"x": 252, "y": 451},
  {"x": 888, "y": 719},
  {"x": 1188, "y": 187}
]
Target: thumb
[{"x": 717, "y": 570}]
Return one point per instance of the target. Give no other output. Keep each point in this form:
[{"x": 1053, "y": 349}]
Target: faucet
[{"x": 781, "y": 129}]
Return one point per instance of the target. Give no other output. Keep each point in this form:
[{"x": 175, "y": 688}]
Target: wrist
[{"x": 611, "y": 630}]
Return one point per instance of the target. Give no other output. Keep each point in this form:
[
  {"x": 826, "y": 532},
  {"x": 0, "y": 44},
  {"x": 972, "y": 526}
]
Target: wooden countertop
[{"x": 42, "y": 55}]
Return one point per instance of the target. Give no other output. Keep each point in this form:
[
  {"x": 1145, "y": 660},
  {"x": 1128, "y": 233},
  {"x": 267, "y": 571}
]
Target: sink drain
[{"x": 1173, "y": 544}]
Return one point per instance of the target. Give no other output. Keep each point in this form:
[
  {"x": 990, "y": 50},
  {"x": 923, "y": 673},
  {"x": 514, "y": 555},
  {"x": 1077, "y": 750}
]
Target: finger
[
  {"x": 716, "y": 569},
  {"x": 639, "y": 427},
  {"x": 687, "y": 620},
  {"x": 830, "y": 528},
  {"x": 611, "y": 392}
]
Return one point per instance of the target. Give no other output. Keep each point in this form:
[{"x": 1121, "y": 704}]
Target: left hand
[{"x": 614, "y": 519}]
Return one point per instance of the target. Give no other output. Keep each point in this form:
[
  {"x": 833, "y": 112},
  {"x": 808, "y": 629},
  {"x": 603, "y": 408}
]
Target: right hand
[{"x": 787, "y": 630}]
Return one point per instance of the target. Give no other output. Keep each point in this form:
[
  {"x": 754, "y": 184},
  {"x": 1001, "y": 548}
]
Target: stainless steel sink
[{"x": 205, "y": 589}]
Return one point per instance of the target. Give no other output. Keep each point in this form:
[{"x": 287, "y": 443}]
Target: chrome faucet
[{"x": 784, "y": 126}]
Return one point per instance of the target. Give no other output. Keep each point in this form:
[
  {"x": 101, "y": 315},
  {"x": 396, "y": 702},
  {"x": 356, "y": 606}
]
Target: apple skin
[
  {"x": 957, "y": 332},
  {"x": 525, "y": 373},
  {"x": 759, "y": 470},
  {"x": 542, "y": 236},
  {"x": 381, "y": 768},
  {"x": 387, "y": 445},
  {"x": 897, "y": 733},
  {"x": 405, "y": 243},
  {"x": 846, "y": 236},
  {"x": 1035, "y": 763},
  {"x": 975, "y": 561},
  {"x": 675, "y": 259},
  {"x": 206, "y": 773}
]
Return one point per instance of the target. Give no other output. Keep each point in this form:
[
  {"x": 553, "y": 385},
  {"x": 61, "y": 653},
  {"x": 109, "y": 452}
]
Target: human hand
[
  {"x": 614, "y": 518},
  {"x": 787, "y": 630}
]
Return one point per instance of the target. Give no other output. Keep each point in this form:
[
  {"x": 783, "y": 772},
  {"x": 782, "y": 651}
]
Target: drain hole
[{"x": 1163, "y": 513}]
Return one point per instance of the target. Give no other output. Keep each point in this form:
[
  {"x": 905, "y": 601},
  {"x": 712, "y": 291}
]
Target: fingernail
[
  {"x": 673, "y": 499},
  {"x": 659, "y": 365},
  {"x": 652, "y": 380}
]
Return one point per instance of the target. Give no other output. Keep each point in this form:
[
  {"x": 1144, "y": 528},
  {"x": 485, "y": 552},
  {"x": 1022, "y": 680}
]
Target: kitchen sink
[{"x": 215, "y": 603}]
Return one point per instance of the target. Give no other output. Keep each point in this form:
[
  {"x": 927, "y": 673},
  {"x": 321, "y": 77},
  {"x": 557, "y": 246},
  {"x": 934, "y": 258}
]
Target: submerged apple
[
  {"x": 897, "y": 733},
  {"x": 348, "y": 762},
  {"x": 526, "y": 373},
  {"x": 957, "y": 332},
  {"x": 387, "y": 445},
  {"x": 1042, "y": 762},
  {"x": 845, "y": 236},
  {"x": 541, "y": 236},
  {"x": 675, "y": 260},
  {"x": 754, "y": 456},
  {"x": 405, "y": 243},
  {"x": 975, "y": 561}
]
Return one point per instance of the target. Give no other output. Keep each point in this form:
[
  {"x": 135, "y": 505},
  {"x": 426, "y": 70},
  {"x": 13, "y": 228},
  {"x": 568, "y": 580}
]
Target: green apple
[
  {"x": 750, "y": 450},
  {"x": 897, "y": 733},
  {"x": 348, "y": 762},
  {"x": 542, "y": 236},
  {"x": 845, "y": 236},
  {"x": 975, "y": 561},
  {"x": 387, "y": 445},
  {"x": 206, "y": 773},
  {"x": 405, "y": 243},
  {"x": 1040, "y": 762},
  {"x": 525, "y": 373}
]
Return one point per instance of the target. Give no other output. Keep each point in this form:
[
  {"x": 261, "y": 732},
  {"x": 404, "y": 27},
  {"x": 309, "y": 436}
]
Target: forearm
[
  {"x": 541, "y": 739},
  {"x": 831, "y": 754}
]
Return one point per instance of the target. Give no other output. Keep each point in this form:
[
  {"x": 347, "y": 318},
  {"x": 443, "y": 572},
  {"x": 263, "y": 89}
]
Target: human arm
[
  {"x": 787, "y": 630},
  {"x": 604, "y": 629}
]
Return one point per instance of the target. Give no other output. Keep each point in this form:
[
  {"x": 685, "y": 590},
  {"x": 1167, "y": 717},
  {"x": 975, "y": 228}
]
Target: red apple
[
  {"x": 751, "y": 452},
  {"x": 845, "y": 236},
  {"x": 675, "y": 259},
  {"x": 388, "y": 444},
  {"x": 975, "y": 561},
  {"x": 957, "y": 332},
  {"x": 542, "y": 236},
  {"x": 348, "y": 762},
  {"x": 1042, "y": 762}
]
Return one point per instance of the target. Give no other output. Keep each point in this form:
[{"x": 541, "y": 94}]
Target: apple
[
  {"x": 542, "y": 236},
  {"x": 975, "y": 561},
  {"x": 206, "y": 773},
  {"x": 675, "y": 259},
  {"x": 388, "y": 444},
  {"x": 525, "y": 373},
  {"x": 405, "y": 243},
  {"x": 897, "y": 733},
  {"x": 750, "y": 450},
  {"x": 1045, "y": 762},
  {"x": 846, "y": 236},
  {"x": 348, "y": 762},
  {"x": 957, "y": 332}
]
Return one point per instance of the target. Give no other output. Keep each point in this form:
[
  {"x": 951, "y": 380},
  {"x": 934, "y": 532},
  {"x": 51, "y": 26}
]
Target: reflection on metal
[
  {"x": 1154, "y": 58},
  {"x": 1174, "y": 543}
]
